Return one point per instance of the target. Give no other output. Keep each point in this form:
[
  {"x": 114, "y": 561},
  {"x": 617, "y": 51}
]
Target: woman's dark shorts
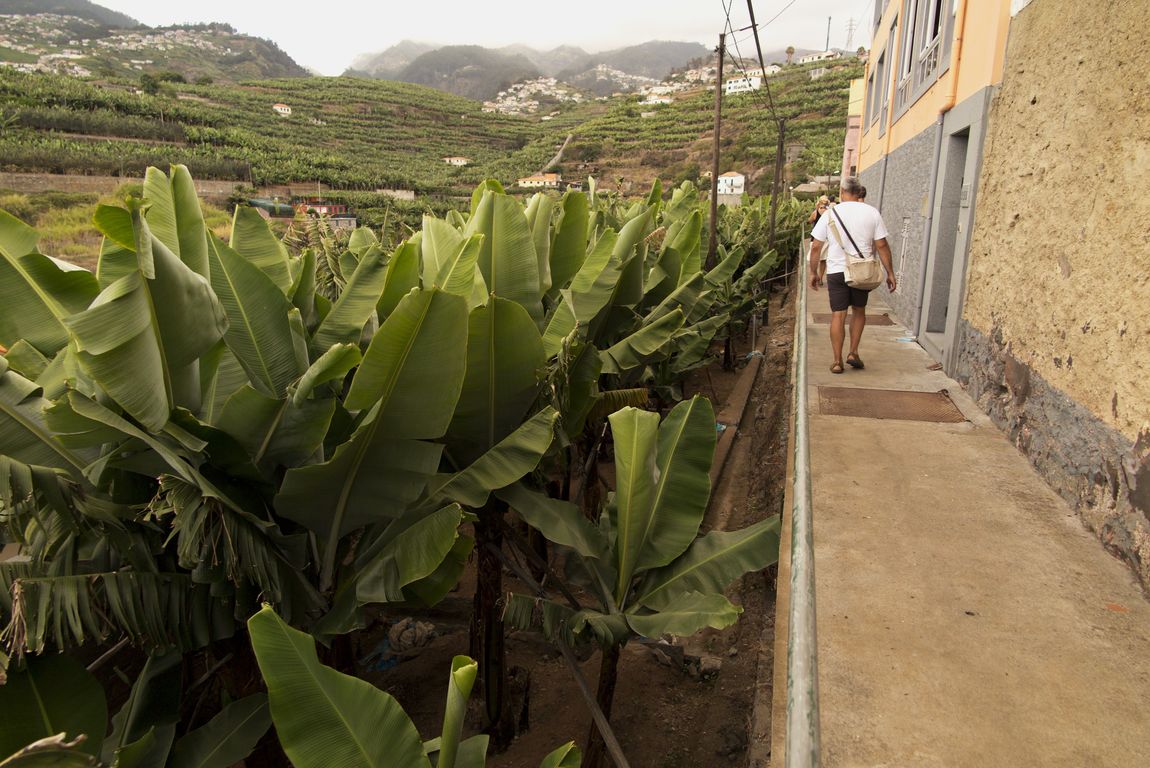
[{"x": 842, "y": 295}]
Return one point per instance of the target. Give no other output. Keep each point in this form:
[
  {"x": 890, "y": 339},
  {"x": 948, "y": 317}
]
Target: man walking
[{"x": 865, "y": 226}]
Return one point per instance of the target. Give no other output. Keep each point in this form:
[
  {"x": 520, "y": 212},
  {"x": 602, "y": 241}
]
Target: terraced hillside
[
  {"x": 638, "y": 142},
  {"x": 342, "y": 132}
]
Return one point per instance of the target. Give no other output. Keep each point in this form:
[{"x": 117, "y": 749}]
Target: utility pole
[
  {"x": 828, "y": 34},
  {"x": 712, "y": 247},
  {"x": 851, "y": 27},
  {"x": 780, "y": 157}
]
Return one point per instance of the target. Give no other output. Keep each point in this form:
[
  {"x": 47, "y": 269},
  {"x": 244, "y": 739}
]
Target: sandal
[
  {"x": 837, "y": 368},
  {"x": 854, "y": 361}
]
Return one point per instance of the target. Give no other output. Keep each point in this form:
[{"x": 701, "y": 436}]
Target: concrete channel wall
[{"x": 1055, "y": 331}]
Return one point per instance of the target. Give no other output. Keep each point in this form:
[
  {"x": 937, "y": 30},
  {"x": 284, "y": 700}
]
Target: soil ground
[{"x": 663, "y": 716}]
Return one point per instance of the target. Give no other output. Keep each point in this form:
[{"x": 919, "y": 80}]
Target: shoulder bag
[{"x": 862, "y": 272}]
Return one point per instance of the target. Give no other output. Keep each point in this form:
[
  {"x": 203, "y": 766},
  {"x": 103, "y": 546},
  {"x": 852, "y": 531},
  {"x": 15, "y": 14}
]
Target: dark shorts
[{"x": 842, "y": 295}]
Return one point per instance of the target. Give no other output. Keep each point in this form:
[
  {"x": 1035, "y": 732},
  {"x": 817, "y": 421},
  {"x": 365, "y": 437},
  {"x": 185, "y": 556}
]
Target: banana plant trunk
[
  {"x": 487, "y": 633},
  {"x": 597, "y": 756}
]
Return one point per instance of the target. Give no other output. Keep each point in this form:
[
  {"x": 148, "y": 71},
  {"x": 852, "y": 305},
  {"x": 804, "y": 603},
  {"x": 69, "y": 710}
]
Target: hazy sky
[{"x": 326, "y": 36}]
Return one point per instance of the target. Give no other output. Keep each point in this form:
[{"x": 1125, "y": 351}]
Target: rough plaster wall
[
  {"x": 1055, "y": 338},
  {"x": 905, "y": 194},
  {"x": 1060, "y": 253}
]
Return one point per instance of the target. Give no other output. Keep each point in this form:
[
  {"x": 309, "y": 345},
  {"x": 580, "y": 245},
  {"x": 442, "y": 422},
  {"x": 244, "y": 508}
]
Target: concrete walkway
[{"x": 965, "y": 616}]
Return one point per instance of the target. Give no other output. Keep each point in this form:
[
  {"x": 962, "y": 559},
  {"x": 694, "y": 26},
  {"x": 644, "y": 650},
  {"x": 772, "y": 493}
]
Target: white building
[
  {"x": 282, "y": 109},
  {"x": 457, "y": 161},
  {"x": 743, "y": 85},
  {"x": 821, "y": 56},
  {"x": 731, "y": 183},
  {"x": 546, "y": 180}
]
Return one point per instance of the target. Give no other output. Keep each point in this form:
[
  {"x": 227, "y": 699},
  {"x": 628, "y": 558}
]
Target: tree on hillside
[{"x": 790, "y": 53}]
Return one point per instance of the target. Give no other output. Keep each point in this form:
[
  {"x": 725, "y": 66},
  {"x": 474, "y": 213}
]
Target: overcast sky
[{"x": 326, "y": 36}]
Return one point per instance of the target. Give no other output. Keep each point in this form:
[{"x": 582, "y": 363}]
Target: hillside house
[
  {"x": 543, "y": 181},
  {"x": 283, "y": 110},
  {"x": 457, "y": 161},
  {"x": 731, "y": 183},
  {"x": 742, "y": 85},
  {"x": 339, "y": 215},
  {"x": 810, "y": 58}
]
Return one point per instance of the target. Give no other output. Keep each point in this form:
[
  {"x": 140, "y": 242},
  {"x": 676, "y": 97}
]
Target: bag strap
[{"x": 858, "y": 251}]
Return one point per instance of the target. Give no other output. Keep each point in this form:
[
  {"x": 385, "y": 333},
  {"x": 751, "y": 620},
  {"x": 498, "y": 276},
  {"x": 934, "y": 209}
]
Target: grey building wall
[{"x": 902, "y": 200}]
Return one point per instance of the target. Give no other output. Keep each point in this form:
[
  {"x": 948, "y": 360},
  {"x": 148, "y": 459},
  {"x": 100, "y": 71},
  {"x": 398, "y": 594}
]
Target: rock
[
  {"x": 733, "y": 652},
  {"x": 709, "y": 666}
]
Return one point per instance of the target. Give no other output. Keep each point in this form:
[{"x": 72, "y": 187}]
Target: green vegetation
[{"x": 197, "y": 427}]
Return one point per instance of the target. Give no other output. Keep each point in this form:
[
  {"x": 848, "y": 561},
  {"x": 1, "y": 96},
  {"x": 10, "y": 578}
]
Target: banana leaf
[
  {"x": 687, "y": 615},
  {"x": 253, "y": 239},
  {"x": 37, "y": 292},
  {"x": 355, "y": 305},
  {"x": 52, "y": 694},
  {"x": 505, "y": 359},
  {"x": 569, "y": 240},
  {"x": 507, "y": 258},
  {"x": 23, "y": 431},
  {"x": 711, "y": 563},
  {"x": 325, "y": 718},
  {"x": 174, "y": 216},
  {"x": 258, "y": 333},
  {"x": 539, "y": 211},
  {"x": 227, "y": 738}
]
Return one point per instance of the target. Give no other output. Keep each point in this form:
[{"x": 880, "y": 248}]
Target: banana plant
[
  {"x": 326, "y": 719},
  {"x": 56, "y": 710},
  {"x": 643, "y": 561}
]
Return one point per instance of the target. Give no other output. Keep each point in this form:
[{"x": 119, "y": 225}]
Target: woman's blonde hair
[{"x": 823, "y": 200}]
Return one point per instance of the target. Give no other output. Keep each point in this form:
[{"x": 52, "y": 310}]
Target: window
[
  {"x": 921, "y": 48},
  {"x": 869, "y": 102},
  {"x": 880, "y": 98}
]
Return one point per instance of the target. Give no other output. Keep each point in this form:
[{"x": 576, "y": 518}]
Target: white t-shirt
[{"x": 865, "y": 224}]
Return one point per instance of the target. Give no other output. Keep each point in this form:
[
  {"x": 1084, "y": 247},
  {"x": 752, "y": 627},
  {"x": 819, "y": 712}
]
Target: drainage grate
[
  {"x": 824, "y": 318},
  {"x": 889, "y": 404}
]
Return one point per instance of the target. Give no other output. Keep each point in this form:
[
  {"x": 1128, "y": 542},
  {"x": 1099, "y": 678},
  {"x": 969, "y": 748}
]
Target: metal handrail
[{"x": 802, "y": 734}]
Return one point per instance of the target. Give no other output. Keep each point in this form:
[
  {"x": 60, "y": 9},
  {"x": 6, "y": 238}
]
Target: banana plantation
[{"x": 222, "y": 462}]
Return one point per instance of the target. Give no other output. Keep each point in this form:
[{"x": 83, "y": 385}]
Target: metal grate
[
  {"x": 824, "y": 318},
  {"x": 889, "y": 404}
]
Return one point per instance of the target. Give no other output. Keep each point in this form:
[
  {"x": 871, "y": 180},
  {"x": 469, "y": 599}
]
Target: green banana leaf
[
  {"x": 220, "y": 376},
  {"x": 459, "y": 273},
  {"x": 505, "y": 359},
  {"x": 566, "y": 756},
  {"x": 504, "y": 463},
  {"x": 711, "y": 563},
  {"x": 569, "y": 240},
  {"x": 143, "y": 335},
  {"x": 460, "y": 683},
  {"x": 559, "y": 521},
  {"x": 258, "y": 333},
  {"x": 26, "y": 360},
  {"x": 630, "y": 251},
  {"x": 145, "y": 727},
  {"x": 174, "y": 216},
  {"x": 440, "y": 243},
  {"x": 412, "y": 551},
  {"x": 253, "y": 239},
  {"x": 402, "y": 277},
  {"x": 643, "y": 346},
  {"x": 725, "y": 270},
  {"x": 52, "y": 694},
  {"x": 326, "y": 719},
  {"x": 636, "y": 442},
  {"x": 687, "y": 615},
  {"x": 227, "y": 738},
  {"x": 683, "y": 485},
  {"x": 37, "y": 292},
  {"x": 355, "y": 305},
  {"x": 276, "y": 431},
  {"x": 23, "y": 431},
  {"x": 539, "y": 211},
  {"x": 507, "y": 259},
  {"x": 332, "y": 365}
]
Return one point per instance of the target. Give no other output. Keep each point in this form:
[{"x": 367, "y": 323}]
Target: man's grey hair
[{"x": 853, "y": 187}]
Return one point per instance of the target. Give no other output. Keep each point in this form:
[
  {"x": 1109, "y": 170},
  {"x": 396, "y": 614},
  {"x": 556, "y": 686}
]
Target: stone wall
[
  {"x": 1056, "y": 318},
  {"x": 904, "y": 194}
]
